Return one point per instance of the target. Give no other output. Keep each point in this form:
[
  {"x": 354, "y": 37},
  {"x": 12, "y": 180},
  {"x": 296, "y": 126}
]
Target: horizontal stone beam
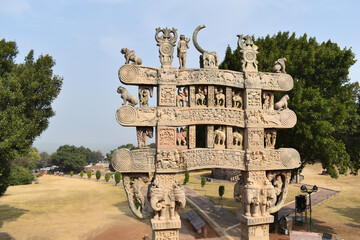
[
  {"x": 143, "y": 75},
  {"x": 177, "y": 116},
  {"x": 172, "y": 160}
]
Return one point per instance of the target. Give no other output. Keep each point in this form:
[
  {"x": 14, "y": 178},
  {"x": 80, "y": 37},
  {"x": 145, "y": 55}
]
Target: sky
[{"x": 85, "y": 39}]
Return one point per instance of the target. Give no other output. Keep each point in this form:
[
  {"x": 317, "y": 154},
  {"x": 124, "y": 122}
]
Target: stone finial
[
  {"x": 130, "y": 56},
  {"x": 279, "y": 65},
  {"x": 249, "y": 51},
  {"x": 166, "y": 42},
  {"x": 207, "y": 59},
  {"x": 182, "y": 47}
]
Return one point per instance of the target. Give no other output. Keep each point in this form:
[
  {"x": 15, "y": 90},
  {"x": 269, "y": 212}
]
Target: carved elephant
[
  {"x": 180, "y": 199},
  {"x": 251, "y": 200},
  {"x": 157, "y": 202}
]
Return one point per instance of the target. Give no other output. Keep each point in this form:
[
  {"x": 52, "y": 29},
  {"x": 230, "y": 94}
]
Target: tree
[
  {"x": 107, "y": 177},
  {"x": 89, "y": 173},
  {"x": 71, "y": 157},
  {"x": 98, "y": 175},
  {"x": 29, "y": 160},
  {"x": 81, "y": 174},
  {"x": 44, "y": 161},
  {"x": 323, "y": 98},
  {"x": 187, "y": 177},
  {"x": 221, "y": 191},
  {"x": 26, "y": 92},
  {"x": 71, "y": 173},
  {"x": 20, "y": 175},
  {"x": 117, "y": 177},
  {"x": 203, "y": 183}
]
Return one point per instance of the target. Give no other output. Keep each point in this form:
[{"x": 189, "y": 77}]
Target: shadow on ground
[
  {"x": 9, "y": 213},
  {"x": 352, "y": 213}
]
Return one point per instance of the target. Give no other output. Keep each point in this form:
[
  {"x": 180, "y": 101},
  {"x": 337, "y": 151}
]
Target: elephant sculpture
[
  {"x": 220, "y": 136},
  {"x": 251, "y": 199}
]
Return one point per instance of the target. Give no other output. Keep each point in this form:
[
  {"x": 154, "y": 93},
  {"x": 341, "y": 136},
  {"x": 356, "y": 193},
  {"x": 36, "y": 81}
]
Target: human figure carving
[
  {"x": 182, "y": 47},
  {"x": 142, "y": 135},
  {"x": 130, "y": 56},
  {"x": 200, "y": 96},
  {"x": 279, "y": 65},
  {"x": 127, "y": 97},
  {"x": 237, "y": 99},
  {"x": 181, "y": 98},
  {"x": 181, "y": 137},
  {"x": 220, "y": 136},
  {"x": 282, "y": 104},
  {"x": 144, "y": 95},
  {"x": 219, "y": 97},
  {"x": 268, "y": 101}
]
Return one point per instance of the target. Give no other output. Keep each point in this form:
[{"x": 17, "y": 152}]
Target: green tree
[
  {"x": 117, "y": 177},
  {"x": 98, "y": 175},
  {"x": 107, "y": 177},
  {"x": 26, "y": 92},
  {"x": 30, "y": 160},
  {"x": 44, "y": 161},
  {"x": 20, "y": 176},
  {"x": 71, "y": 173},
  {"x": 323, "y": 98},
  {"x": 71, "y": 157},
  {"x": 89, "y": 173},
  {"x": 187, "y": 177},
  {"x": 81, "y": 174},
  {"x": 221, "y": 191}
]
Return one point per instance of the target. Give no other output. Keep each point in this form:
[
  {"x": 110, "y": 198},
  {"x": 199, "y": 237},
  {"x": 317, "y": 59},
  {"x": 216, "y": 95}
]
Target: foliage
[
  {"x": 29, "y": 160},
  {"x": 117, "y": 177},
  {"x": 98, "y": 175},
  {"x": 81, "y": 174},
  {"x": 107, "y": 177},
  {"x": 221, "y": 191},
  {"x": 187, "y": 177},
  {"x": 20, "y": 175},
  {"x": 203, "y": 182},
  {"x": 71, "y": 157},
  {"x": 89, "y": 173},
  {"x": 323, "y": 98},
  {"x": 26, "y": 92},
  {"x": 71, "y": 173},
  {"x": 44, "y": 161}
]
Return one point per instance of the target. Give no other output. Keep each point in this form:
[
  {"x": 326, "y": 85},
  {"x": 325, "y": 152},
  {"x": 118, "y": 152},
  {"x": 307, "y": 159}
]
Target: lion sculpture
[
  {"x": 130, "y": 56},
  {"x": 127, "y": 97},
  {"x": 282, "y": 104},
  {"x": 280, "y": 65}
]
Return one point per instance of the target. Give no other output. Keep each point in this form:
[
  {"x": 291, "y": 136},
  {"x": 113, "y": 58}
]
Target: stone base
[
  {"x": 172, "y": 234},
  {"x": 157, "y": 224},
  {"x": 255, "y": 228}
]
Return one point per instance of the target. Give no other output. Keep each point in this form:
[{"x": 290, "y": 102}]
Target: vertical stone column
[
  {"x": 211, "y": 96},
  {"x": 192, "y": 137},
  {"x": 210, "y": 136},
  {"x": 228, "y": 97},
  {"x": 192, "y": 100},
  {"x": 229, "y": 137}
]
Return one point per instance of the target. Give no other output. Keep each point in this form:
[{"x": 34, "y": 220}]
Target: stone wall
[{"x": 226, "y": 174}]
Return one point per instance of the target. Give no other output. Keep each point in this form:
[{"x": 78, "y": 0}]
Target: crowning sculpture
[{"x": 238, "y": 112}]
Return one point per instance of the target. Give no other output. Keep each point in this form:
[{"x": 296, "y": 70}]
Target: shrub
[
  {"x": 117, "y": 177},
  {"x": 221, "y": 190},
  {"x": 98, "y": 175},
  {"x": 89, "y": 173},
  {"x": 71, "y": 173},
  {"x": 203, "y": 182},
  {"x": 20, "y": 175},
  {"x": 187, "y": 177},
  {"x": 107, "y": 177},
  {"x": 39, "y": 174},
  {"x": 81, "y": 174}
]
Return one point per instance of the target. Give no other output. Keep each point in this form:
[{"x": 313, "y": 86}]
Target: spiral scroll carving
[
  {"x": 288, "y": 118},
  {"x": 128, "y": 73},
  {"x": 122, "y": 160},
  {"x": 126, "y": 115}
]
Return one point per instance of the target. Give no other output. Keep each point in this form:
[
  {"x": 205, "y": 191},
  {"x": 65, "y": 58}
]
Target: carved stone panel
[
  {"x": 166, "y": 137},
  {"x": 220, "y": 137},
  {"x": 238, "y": 138},
  {"x": 229, "y": 137},
  {"x": 211, "y": 96},
  {"x": 210, "y": 136},
  {"x": 192, "y": 101},
  {"x": 192, "y": 136},
  {"x": 253, "y": 98},
  {"x": 167, "y": 95},
  {"x": 229, "y": 97},
  {"x": 254, "y": 138}
]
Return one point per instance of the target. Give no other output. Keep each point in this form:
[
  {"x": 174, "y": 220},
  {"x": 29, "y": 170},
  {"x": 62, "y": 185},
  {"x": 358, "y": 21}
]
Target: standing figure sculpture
[{"x": 182, "y": 47}]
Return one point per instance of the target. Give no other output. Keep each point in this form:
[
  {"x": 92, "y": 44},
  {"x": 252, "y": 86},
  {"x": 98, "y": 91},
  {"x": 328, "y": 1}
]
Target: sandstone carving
[
  {"x": 144, "y": 92},
  {"x": 200, "y": 96},
  {"x": 219, "y": 137},
  {"x": 127, "y": 97},
  {"x": 238, "y": 138},
  {"x": 181, "y": 137},
  {"x": 130, "y": 56},
  {"x": 182, "y": 47},
  {"x": 237, "y": 100},
  {"x": 142, "y": 135},
  {"x": 166, "y": 43},
  {"x": 249, "y": 51},
  {"x": 181, "y": 97},
  {"x": 282, "y": 104},
  {"x": 207, "y": 59},
  {"x": 270, "y": 138},
  {"x": 268, "y": 100},
  {"x": 280, "y": 65},
  {"x": 219, "y": 97}
]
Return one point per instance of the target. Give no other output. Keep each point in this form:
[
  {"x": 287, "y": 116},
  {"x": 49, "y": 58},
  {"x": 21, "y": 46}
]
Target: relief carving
[
  {"x": 268, "y": 100},
  {"x": 127, "y": 97},
  {"x": 144, "y": 92},
  {"x": 270, "y": 138},
  {"x": 238, "y": 136},
  {"x": 166, "y": 137},
  {"x": 142, "y": 135},
  {"x": 167, "y": 95},
  {"x": 255, "y": 138},
  {"x": 181, "y": 98},
  {"x": 254, "y": 98},
  {"x": 201, "y": 96},
  {"x": 237, "y": 99},
  {"x": 181, "y": 137},
  {"x": 249, "y": 51},
  {"x": 282, "y": 104},
  {"x": 166, "y": 43},
  {"x": 219, "y": 97},
  {"x": 219, "y": 137}
]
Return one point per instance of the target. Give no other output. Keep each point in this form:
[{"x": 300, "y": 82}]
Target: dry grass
[{"x": 62, "y": 208}]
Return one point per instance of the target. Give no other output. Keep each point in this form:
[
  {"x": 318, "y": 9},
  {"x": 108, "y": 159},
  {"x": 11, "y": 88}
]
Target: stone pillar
[
  {"x": 210, "y": 136},
  {"x": 211, "y": 96},
  {"x": 192, "y": 137}
]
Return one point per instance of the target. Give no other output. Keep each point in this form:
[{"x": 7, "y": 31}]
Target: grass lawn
[{"x": 65, "y": 208}]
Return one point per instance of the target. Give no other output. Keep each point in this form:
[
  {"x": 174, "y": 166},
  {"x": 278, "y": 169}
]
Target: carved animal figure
[
  {"x": 220, "y": 136},
  {"x": 130, "y": 56},
  {"x": 181, "y": 97},
  {"x": 282, "y": 104},
  {"x": 127, "y": 97},
  {"x": 237, "y": 100},
  {"x": 181, "y": 137},
  {"x": 219, "y": 97},
  {"x": 251, "y": 199},
  {"x": 237, "y": 139},
  {"x": 200, "y": 97},
  {"x": 279, "y": 65}
]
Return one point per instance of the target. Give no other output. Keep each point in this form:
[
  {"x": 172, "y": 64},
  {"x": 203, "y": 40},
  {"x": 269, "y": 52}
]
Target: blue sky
[{"x": 85, "y": 38}]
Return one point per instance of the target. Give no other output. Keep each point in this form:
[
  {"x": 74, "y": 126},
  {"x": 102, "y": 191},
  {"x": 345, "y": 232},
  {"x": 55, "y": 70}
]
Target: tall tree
[
  {"x": 324, "y": 99},
  {"x": 70, "y": 157},
  {"x": 26, "y": 93}
]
